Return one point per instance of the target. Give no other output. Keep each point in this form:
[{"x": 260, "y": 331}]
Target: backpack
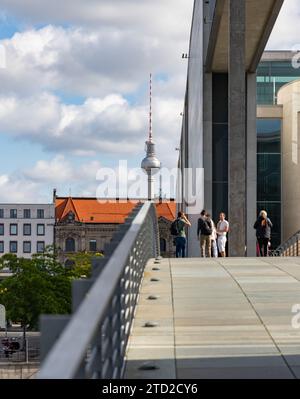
[
  {"x": 174, "y": 228},
  {"x": 206, "y": 228}
]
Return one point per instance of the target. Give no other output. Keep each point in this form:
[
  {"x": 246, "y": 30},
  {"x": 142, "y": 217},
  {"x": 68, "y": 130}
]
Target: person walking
[
  {"x": 180, "y": 241},
  {"x": 204, "y": 233},
  {"x": 222, "y": 230},
  {"x": 263, "y": 227},
  {"x": 213, "y": 237}
]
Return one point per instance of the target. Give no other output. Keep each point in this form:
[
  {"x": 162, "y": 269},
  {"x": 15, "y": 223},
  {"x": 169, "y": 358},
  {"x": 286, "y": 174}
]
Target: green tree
[
  {"x": 38, "y": 285},
  {"x": 81, "y": 263}
]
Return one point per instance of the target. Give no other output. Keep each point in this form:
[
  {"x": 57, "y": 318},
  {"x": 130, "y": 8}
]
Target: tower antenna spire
[
  {"x": 150, "y": 164},
  {"x": 150, "y": 110}
]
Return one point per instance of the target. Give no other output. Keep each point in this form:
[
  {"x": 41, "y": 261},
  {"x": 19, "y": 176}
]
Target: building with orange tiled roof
[{"x": 86, "y": 224}]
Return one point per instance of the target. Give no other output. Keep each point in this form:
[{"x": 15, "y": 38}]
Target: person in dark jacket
[
  {"x": 263, "y": 227},
  {"x": 204, "y": 232}
]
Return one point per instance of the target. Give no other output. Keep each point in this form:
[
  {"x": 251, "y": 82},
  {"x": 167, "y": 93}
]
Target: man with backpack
[
  {"x": 204, "y": 233},
  {"x": 178, "y": 231}
]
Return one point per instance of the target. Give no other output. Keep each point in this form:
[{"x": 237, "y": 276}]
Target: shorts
[{"x": 222, "y": 240}]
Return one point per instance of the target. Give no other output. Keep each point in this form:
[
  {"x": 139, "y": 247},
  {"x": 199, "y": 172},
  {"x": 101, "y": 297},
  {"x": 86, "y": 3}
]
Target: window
[
  {"x": 71, "y": 217},
  {"x": 1, "y": 229},
  {"x": 163, "y": 245},
  {"x": 70, "y": 245},
  {"x": 40, "y": 229},
  {"x": 27, "y": 214},
  {"x": 40, "y": 214},
  {"x": 13, "y": 213},
  {"x": 13, "y": 230},
  {"x": 1, "y": 213},
  {"x": 269, "y": 173},
  {"x": 93, "y": 245},
  {"x": 271, "y": 76},
  {"x": 40, "y": 247},
  {"x": 27, "y": 229},
  {"x": 27, "y": 247},
  {"x": 13, "y": 247},
  {"x": 1, "y": 247}
]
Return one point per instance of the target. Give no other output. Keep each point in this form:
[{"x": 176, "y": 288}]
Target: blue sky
[
  {"x": 8, "y": 25},
  {"x": 74, "y": 94}
]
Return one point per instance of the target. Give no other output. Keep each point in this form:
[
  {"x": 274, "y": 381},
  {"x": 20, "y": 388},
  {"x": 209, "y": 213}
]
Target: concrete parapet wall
[{"x": 9, "y": 371}]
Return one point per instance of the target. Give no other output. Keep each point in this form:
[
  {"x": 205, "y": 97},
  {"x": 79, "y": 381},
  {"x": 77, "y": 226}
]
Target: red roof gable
[{"x": 90, "y": 210}]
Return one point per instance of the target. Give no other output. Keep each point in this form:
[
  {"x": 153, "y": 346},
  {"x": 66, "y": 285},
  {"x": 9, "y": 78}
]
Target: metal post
[{"x": 26, "y": 351}]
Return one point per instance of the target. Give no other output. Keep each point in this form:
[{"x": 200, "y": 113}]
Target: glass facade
[
  {"x": 271, "y": 76},
  {"x": 220, "y": 144},
  {"x": 269, "y": 173}
]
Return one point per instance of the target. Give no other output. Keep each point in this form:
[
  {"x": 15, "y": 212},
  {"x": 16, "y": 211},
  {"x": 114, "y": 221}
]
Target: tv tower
[{"x": 150, "y": 164}]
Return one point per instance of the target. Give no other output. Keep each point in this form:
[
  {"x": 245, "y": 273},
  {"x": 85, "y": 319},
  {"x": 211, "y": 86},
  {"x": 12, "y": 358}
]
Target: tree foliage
[
  {"x": 38, "y": 285},
  {"x": 81, "y": 263}
]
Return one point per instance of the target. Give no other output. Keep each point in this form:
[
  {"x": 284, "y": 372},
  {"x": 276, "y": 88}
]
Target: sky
[{"x": 74, "y": 89}]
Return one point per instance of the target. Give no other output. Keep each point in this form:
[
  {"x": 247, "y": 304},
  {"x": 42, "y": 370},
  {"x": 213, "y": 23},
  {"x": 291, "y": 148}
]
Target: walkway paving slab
[{"x": 217, "y": 318}]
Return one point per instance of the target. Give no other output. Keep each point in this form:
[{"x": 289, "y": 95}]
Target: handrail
[
  {"x": 93, "y": 343},
  {"x": 290, "y": 248}
]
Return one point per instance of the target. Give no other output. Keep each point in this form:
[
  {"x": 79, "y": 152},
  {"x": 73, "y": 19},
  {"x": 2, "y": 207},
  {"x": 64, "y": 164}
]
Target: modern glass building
[
  {"x": 219, "y": 130},
  {"x": 275, "y": 71}
]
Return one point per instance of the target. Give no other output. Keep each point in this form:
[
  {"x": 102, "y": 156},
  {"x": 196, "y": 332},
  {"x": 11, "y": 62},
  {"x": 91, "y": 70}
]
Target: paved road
[{"x": 223, "y": 318}]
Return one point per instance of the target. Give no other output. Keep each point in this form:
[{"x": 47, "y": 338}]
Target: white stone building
[{"x": 26, "y": 229}]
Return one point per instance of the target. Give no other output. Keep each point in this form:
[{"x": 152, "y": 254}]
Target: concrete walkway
[{"x": 223, "y": 318}]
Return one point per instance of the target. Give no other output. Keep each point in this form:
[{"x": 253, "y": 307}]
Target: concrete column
[
  {"x": 207, "y": 142},
  {"x": 207, "y": 111},
  {"x": 237, "y": 127},
  {"x": 251, "y": 164}
]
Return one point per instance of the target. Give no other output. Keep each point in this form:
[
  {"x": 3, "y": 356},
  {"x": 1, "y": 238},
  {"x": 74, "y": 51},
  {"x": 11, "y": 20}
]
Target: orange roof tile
[
  {"x": 89, "y": 210},
  {"x": 166, "y": 210}
]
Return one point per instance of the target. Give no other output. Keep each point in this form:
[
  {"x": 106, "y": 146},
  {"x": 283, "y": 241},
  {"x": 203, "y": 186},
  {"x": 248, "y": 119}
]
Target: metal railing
[
  {"x": 290, "y": 248},
  {"x": 94, "y": 340},
  {"x": 20, "y": 356}
]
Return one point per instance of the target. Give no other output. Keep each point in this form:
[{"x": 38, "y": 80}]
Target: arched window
[
  {"x": 163, "y": 245},
  {"x": 70, "y": 244}
]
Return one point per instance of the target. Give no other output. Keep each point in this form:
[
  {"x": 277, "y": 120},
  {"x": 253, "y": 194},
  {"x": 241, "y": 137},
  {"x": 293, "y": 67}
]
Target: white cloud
[
  {"x": 166, "y": 18},
  {"x": 88, "y": 62},
  {"x": 106, "y": 125},
  {"x": 35, "y": 184},
  {"x": 17, "y": 189},
  {"x": 58, "y": 170},
  {"x": 286, "y": 33},
  {"x": 103, "y": 53}
]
